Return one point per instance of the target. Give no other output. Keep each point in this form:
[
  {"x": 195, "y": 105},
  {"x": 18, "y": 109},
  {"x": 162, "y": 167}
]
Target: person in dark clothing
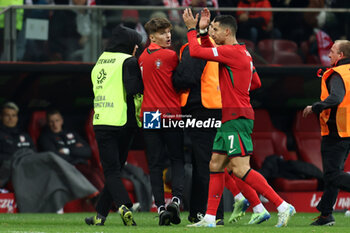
[
  {"x": 11, "y": 140},
  {"x": 334, "y": 109},
  {"x": 188, "y": 76},
  {"x": 117, "y": 85},
  {"x": 70, "y": 146},
  {"x": 42, "y": 182}
]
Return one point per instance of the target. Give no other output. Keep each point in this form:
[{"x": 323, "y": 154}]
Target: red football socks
[
  {"x": 216, "y": 188},
  {"x": 259, "y": 183},
  {"x": 230, "y": 184},
  {"x": 247, "y": 191}
]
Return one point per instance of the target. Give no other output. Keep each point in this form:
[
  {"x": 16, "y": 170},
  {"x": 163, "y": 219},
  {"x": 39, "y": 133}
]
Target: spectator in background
[
  {"x": 19, "y": 25},
  {"x": 341, "y": 30},
  {"x": 255, "y": 25},
  {"x": 70, "y": 146},
  {"x": 69, "y": 32},
  {"x": 42, "y": 182},
  {"x": 130, "y": 19},
  {"x": 36, "y": 50},
  {"x": 293, "y": 25},
  {"x": 228, "y": 3},
  {"x": 174, "y": 15},
  {"x": 200, "y": 3},
  {"x": 124, "y": 2},
  {"x": 11, "y": 140}
]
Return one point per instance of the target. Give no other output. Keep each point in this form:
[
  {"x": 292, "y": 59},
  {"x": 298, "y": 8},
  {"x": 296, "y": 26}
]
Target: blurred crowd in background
[{"x": 70, "y": 32}]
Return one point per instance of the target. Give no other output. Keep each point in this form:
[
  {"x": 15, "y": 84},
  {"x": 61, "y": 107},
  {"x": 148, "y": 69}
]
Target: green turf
[{"x": 148, "y": 222}]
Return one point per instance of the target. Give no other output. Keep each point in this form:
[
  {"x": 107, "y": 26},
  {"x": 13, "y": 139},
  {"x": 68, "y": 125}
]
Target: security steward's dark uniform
[
  {"x": 334, "y": 118},
  {"x": 188, "y": 77}
]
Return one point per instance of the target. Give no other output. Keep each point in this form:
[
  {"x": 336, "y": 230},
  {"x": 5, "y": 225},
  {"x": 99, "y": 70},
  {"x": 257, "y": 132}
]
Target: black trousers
[
  {"x": 113, "y": 146},
  {"x": 202, "y": 144},
  {"x": 156, "y": 141},
  {"x": 334, "y": 153}
]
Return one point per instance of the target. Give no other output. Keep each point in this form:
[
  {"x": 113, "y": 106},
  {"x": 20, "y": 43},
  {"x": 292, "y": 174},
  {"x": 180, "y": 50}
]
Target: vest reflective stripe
[
  {"x": 19, "y": 12},
  {"x": 110, "y": 97},
  {"x": 210, "y": 87},
  {"x": 343, "y": 110}
]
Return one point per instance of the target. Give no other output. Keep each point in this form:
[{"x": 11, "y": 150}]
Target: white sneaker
[
  {"x": 203, "y": 223},
  {"x": 284, "y": 217}
]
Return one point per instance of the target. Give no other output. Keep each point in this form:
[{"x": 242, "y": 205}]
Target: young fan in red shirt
[
  {"x": 233, "y": 138},
  {"x": 157, "y": 64}
]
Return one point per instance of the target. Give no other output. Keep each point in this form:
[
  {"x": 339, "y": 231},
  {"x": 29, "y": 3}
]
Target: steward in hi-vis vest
[
  {"x": 110, "y": 96},
  {"x": 340, "y": 113},
  {"x": 209, "y": 83},
  {"x": 334, "y": 110},
  {"x": 117, "y": 86}
]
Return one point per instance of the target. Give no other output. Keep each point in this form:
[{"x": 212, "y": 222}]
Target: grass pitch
[{"x": 148, "y": 223}]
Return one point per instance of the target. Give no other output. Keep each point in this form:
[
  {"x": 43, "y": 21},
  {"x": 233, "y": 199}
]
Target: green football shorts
[{"x": 233, "y": 138}]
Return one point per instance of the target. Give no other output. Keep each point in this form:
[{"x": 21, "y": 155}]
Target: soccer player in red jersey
[
  {"x": 157, "y": 63},
  {"x": 232, "y": 144}
]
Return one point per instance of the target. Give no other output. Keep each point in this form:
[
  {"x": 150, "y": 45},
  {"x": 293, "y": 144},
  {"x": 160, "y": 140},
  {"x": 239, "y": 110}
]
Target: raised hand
[
  {"x": 188, "y": 18},
  {"x": 205, "y": 19},
  {"x": 307, "y": 111}
]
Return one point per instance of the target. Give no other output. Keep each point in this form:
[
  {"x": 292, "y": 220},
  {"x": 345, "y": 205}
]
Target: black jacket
[
  {"x": 11, "y": 140},
  {"x": 54, "y": 142}
]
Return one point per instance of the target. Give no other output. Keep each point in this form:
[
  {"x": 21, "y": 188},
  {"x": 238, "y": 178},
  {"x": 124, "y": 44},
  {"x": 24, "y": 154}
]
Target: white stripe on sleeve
[{"x": 215, "y": 51}]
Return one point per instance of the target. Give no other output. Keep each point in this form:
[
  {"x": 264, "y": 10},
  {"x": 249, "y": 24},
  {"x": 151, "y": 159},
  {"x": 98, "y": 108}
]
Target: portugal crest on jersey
[{"x": 158, "y": 63}]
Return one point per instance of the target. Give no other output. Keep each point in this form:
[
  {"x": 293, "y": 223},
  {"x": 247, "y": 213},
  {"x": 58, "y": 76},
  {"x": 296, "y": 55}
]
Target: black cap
[{"x": 123, "y": 40}]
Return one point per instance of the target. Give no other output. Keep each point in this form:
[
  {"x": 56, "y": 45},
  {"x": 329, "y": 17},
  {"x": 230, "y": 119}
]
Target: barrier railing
[{"x": 78, "y": 33}]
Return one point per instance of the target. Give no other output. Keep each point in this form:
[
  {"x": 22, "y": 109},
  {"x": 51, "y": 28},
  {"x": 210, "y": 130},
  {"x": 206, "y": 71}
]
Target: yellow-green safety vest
[
  {"x": 19, "y": 16},
  {"x": 110, "y": 96}
]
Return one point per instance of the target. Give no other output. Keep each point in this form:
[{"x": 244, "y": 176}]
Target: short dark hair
[
  {"x": 156, "y": 24},
  {"x": 227, "y": 21},
  {"x": 52, "y": 111},
  {"x": 344, "y": 47}
]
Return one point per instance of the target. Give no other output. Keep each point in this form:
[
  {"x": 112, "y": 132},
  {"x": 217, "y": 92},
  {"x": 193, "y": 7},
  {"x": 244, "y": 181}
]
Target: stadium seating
[
  {"x": 267, "y": 140},
  {"x": 286, "y": 58},
  {"x": 90, "y": 135},
  {"x": 36, "y": 123},
  {"x": 276, "y": 51},
  {"x": 309, "y": 58},
  {"x": 277, "y": 45},
  {"x": 307, "y": 136},
  {"x": 248, "y": 43}
]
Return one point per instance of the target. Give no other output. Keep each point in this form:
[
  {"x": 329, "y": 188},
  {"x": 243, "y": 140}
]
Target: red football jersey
[
  {"x": 235, "y": 75},
  {"x": 157, "y": 66}
]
